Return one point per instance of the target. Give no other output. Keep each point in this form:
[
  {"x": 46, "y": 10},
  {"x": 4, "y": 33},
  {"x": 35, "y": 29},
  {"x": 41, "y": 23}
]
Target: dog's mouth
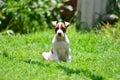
[{"x": 60, "y": 36}]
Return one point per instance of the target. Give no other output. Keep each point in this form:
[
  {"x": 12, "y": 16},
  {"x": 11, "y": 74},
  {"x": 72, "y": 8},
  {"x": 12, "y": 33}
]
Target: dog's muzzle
[{"x": 59, "y": 34}]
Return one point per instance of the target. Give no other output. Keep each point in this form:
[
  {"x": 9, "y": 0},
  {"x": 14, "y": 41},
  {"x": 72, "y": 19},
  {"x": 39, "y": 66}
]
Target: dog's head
[{"x": 60, "y": 28}]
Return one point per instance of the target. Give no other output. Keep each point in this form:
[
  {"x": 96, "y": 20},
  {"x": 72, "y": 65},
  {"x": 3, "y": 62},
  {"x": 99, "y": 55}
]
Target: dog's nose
[{"x": 59, "y": 34}]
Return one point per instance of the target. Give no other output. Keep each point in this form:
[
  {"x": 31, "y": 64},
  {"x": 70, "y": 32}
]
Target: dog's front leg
[
  {"x": 69, "y": 55},
  {"x": 55, "y": 56}
]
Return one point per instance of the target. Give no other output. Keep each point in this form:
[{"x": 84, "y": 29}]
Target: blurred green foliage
[
  {"x": 114, "y": 7},
  {"x": 27, "y": 16}
]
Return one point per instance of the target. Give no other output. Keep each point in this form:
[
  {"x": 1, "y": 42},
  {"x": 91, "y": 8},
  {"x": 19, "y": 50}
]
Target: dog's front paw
[{"x": 69, "y": 59}]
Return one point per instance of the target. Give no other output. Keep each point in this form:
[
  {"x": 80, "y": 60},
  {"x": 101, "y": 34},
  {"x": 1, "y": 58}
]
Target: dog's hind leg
[{"x": 47, "y": 55}]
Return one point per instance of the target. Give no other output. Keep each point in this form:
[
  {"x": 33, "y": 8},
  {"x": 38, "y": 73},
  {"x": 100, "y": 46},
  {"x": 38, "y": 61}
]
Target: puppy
[{"x": 60, "y": 44}]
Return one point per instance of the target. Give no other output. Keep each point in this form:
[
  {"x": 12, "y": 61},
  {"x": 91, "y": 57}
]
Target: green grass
[{"x": 95, "y": 56}]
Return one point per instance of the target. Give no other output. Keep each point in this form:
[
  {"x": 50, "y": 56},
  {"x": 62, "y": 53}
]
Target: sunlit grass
[{"x": 95, "y": 56}]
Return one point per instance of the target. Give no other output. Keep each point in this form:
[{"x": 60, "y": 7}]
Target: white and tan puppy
[{"x": 60, "y": 44}]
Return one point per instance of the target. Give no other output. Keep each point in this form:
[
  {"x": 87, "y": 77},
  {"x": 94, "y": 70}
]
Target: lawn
[{"x": 95, "y": 56}]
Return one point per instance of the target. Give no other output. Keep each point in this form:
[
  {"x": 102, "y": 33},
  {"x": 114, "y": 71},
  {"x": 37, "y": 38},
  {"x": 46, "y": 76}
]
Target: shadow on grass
[
  {"x": 11, "y": 56},
  {"x": 8, "y": 55},
  {"x": 86, "y": 72},
  {"x": 35, "y": 62}
]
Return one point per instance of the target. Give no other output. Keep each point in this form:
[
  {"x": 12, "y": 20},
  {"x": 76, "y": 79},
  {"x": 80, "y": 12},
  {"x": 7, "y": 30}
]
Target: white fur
[
  {"x": 54, "y": 23},
  {"x": 67, "y": 23},
  {"x": 60, "y": 45},
  {"x": 47, "y": 55},
  {"x": 61, "y": 49}
]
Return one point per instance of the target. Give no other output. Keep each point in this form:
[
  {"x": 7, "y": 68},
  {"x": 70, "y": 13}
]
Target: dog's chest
[
  {"x": 61, "y": 48},
  {"x": 61, "y": 45}
]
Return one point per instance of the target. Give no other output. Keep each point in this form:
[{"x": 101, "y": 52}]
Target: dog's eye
[
  {"x": 63, "y": 28},
  {"x": 57, "y": 28}
]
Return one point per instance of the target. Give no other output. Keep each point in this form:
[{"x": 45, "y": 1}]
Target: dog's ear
[
  {"x": 54, "y": 23},
  {"x": 66, "y": 24}
]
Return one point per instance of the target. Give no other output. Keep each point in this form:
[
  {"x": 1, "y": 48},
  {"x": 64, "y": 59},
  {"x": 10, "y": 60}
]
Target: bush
[
  {"x": 27, "y": 16},
  {"x": 114, "y": 7}
]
